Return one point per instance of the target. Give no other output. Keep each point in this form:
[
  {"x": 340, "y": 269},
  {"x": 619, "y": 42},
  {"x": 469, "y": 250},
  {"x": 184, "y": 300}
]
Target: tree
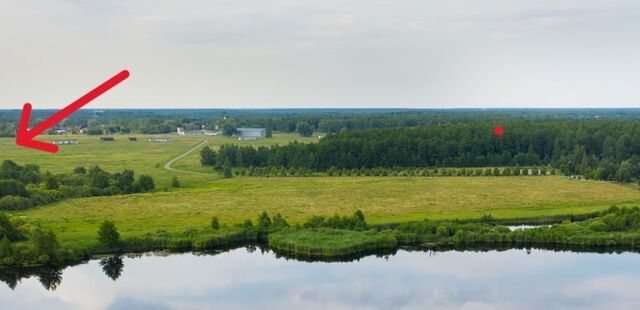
[
  {"x": 264, "y": 221},
  {"x": 108, "y": 234},
  {"x": 45, "y": 243},
  {"x": 304, "y": 129},
  {"x": 215, "y": 223},
  {"x": 207, "y": 156},
  {"x": 6, "y": 250},
  {"x": 80, "y": 170},
  {"x": 229, "y": 129},
  {"x": 145, "y": 183},
  {"x": 100, "y": 179},
  {"x": 125, "y": 180},
  {"x": 175, "y": 182},
  {"x": 7, "y": 230},
  {"x": 226, "y": 171},
  {"x": 12, "y": 187}
]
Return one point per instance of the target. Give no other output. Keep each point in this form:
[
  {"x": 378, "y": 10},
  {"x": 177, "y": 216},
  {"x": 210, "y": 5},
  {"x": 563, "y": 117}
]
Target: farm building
[
  {"x": 251, "y": 133},
  {"x": 201, "y": 132},
  {"x": 64, "y": 142}
]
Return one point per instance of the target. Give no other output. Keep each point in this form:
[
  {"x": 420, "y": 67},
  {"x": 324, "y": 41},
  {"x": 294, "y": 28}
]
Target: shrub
[
  {"x": 215, "y": 223},
  {"x": 175, "y": 182},
  {"x": 11, "y": 203},
  {"x": 598, "y": 226}
]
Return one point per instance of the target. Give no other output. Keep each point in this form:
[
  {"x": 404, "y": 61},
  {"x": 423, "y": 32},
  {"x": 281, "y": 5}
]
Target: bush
[
  {"x": 175, "y": 182},
  {"x": 12, "y": 203},
  {"x": 215, "y": 223}
]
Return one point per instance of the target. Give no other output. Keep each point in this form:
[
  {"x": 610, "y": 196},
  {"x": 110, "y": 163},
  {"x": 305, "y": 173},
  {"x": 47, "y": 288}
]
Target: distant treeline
[
  {"x": 605, "y": 149},
  {"x": 23, "y": 187},
  {"x": 290, "y": 120}
]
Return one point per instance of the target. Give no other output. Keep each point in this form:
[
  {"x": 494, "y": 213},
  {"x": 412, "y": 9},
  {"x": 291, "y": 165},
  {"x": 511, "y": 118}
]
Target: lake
[{"x": 245, "y": 278}]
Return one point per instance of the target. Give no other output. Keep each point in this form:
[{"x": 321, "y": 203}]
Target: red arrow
[{"x": 25, "y": 136}]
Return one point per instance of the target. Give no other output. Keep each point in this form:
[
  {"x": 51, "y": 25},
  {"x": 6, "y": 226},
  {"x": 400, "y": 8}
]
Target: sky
[{"x": 321, "y": 54}]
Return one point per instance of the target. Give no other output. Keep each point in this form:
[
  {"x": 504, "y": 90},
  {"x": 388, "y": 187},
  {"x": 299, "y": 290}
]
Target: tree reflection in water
[{"x": 112, "y": 267}]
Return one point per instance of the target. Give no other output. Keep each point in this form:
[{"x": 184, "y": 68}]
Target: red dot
[{"x": 498, "y": 130}]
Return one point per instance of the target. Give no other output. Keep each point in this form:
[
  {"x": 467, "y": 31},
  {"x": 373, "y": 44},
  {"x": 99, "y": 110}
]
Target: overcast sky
[{"x": 325, "y": 53}]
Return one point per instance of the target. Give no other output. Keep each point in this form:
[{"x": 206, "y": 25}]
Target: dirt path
[{"x": 167, "y": 166}]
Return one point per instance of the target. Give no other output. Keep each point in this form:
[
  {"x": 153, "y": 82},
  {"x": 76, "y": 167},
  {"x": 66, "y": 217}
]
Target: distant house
[
  {"x": 64, "y": 142},
  {"x": 162, "y": 140},
  {"x": 105, "y": 139},
  {"x": 250, "y": 133}
]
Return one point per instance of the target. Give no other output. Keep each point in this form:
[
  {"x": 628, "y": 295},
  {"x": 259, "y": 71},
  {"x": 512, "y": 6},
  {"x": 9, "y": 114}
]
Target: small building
[
  {"x": 62, "y": 131},
  {"x": 65, "y": 142},
  {"x": 161, "y": 140},
  {"x": 107, "y": 139},
  {"x": 251, "y": 133}
]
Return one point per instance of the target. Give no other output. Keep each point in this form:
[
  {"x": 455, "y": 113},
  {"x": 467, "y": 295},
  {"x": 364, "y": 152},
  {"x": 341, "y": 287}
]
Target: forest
[
  {"x": 159, "y": 121},
  {"x": 602, "y": 149}
]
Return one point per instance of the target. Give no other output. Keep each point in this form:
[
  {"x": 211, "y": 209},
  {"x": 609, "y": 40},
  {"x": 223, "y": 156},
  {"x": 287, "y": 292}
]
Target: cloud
[{"x": 290, "y": 53}]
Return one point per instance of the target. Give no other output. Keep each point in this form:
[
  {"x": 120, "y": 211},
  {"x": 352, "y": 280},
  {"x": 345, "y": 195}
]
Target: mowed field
[{"x": 383, "y": 199}]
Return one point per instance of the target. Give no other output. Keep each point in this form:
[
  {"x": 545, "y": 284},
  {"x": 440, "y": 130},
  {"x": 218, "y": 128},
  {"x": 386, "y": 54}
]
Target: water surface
[{"x": 244, "y": 279}]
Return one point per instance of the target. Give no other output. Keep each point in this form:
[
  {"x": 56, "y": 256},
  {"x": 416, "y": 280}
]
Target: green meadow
[{"x": 205, "y": 194}]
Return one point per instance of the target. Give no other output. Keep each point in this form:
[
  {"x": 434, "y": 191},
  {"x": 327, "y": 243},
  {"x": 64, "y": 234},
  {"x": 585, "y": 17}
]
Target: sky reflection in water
[{"x": 409, "y": 280}]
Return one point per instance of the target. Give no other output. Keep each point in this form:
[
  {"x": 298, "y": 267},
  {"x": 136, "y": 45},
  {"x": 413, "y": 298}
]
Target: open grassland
[
  {"x": 383, "y": 199},
  {"x": 205, "y": 194},
  {"x": 141, "y": 156}
]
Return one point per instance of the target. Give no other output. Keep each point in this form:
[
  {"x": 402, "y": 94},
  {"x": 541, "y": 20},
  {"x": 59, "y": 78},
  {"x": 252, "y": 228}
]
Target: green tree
[
  {"x": 226, "y": 171},
  {"x": 108, "y": 234},
  {"x": 207, "y": 156},
  {"x": 44, "y": 242},
  {"x": 304, "y": 129},
  {"x": 264, "y": 221},
  {"x": 145, "y": 183}
]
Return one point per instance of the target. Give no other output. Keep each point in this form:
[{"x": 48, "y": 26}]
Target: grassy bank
[{"x": 330, "y": 242}]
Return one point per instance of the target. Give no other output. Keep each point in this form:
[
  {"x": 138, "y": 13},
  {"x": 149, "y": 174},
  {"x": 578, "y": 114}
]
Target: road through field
[{"x": 167, "y": 166}]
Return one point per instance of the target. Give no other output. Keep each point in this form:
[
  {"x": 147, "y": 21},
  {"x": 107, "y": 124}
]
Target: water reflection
[
  {"x": 410, "y": 278},
  {"x": 112, "y": 267}
]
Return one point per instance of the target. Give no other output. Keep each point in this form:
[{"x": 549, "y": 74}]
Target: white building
[{"x": 202, "y": 132}]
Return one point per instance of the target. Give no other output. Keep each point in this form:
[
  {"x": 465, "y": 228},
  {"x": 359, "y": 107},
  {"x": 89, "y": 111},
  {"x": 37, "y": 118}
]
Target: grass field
[
  {"x": 141, "y": 156},
  {"x": 383, "y": 199}
]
